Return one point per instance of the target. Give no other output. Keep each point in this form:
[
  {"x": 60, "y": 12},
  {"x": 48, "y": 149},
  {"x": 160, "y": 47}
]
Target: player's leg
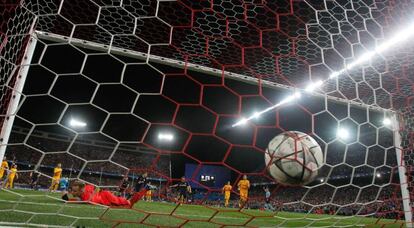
[
  {"x": 185, "y": 197},
  {"x": 6, "y": 183},
  {"x": 110, "y": 199},
  {"x": 149, "y": 195},
  {"x": 137, "y": 196},
  {"x": 56, "y": 185},
  {"x": 10, "y": 182},
  {"x": 271, "y": 207},
  {"x": 52, "y": 185},
  {"x": 5, "y": 180},
  {"x": 181, "y": 198},
  {"x": 243, "y": 199}
]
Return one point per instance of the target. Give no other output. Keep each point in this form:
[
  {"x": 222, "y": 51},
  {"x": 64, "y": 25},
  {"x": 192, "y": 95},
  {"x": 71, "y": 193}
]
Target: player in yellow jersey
[
  {"x": 12, "y": 175},
  {"x": 4, "y": 168},
  {"x": 227, "y": 191},
  {"x": 243, "y": 186},
  {"x": 148, "y": 196},
  {"x": 57, "y": 173}
]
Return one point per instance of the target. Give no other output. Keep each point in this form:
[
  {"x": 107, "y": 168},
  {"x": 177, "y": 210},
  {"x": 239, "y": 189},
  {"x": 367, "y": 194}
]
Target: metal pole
[
  {"x": 100, "y": 177},
  {"x": 70, "y": 173},
  {"x": 15, "y": 96},
  {"x": 402, "y": 174}
]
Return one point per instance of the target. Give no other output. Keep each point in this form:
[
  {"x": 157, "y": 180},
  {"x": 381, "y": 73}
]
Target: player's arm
[
  {"x": 66, "y": 198},
  {"x": 174, "y": 186},
  {"x": 17, "y": 175},
  {"x": 189, "y": 189}
]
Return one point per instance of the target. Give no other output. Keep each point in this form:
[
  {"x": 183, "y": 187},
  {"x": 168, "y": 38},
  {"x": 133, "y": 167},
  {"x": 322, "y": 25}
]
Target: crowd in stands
[{"x": 77, "y": 162}]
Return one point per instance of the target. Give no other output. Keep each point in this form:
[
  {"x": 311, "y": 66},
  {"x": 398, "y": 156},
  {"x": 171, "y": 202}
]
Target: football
[{"x": 293, "y": 158}]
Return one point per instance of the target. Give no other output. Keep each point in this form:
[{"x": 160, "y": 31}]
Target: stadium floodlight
[
  {"x": 378, "y": 175},
  {"x": 165, "y": 137},
  {"x": 363, "y": 58},
  {"x": 311, "y": 87},
  {"x": 288, "y": 99},
  {"x": 243, "y": 121},
  {"x": 386, "y": 121},
  {"x": 77, "y": 123},
  {"x": 321, "y": 180},
  {"x": 342, "y": 133},
  {"x": 297, "y": 95},
  {"x": 256, "y": 115},
  {"x": 336, "y": 73},
  {"x": 397, "y": 39}
]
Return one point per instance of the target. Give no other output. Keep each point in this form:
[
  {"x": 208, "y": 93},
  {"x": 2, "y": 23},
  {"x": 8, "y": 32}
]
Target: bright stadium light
[
  {"x": 311, "y": 87},
  {"x": 336, "y": 74},
  {"x": 342, "y": 133},
  {"x": 386, "y": 121},
  {"x": 288, "y": 99},
  {"x": 165, "y": 137},
  {"x": 400, "y": 37},
  {"x": 256, "y": 115},
  {"x": 397, "y": 39},
  {"x": 321, "y": 180},
  {"x": 378, "y": 175},
  {"x": 243, "y": 121},
  {"x": 363, "y": 58},
  {"x": 297, "y": 95},
  {"x": 77, "y": 123}
]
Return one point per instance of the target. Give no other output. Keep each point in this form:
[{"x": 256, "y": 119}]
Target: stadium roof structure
[{"x": 291, "y": 43}]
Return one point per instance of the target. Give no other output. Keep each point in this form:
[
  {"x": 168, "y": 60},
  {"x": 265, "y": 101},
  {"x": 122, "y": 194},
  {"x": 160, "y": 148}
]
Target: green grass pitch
[{"x": 31, "y": 208}]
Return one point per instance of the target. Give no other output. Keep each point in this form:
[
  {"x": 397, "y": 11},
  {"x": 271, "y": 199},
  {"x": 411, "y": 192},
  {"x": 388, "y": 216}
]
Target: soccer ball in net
[{"x": 293, "y": 158}]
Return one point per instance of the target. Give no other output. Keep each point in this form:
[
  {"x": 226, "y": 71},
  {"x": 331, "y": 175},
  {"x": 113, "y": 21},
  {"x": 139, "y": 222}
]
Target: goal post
[
  {"x": 16, "y": 96},
  {"x": 14, "y": 82},
  {"x": 402, "y": 172}
]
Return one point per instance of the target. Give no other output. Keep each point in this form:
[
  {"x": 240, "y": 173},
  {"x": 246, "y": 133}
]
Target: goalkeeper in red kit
[{"x": 89, "y": 194}]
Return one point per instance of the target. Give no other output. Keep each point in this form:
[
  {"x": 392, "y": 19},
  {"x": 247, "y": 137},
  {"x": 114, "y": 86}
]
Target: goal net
[{"x": 197, "y": 89}]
